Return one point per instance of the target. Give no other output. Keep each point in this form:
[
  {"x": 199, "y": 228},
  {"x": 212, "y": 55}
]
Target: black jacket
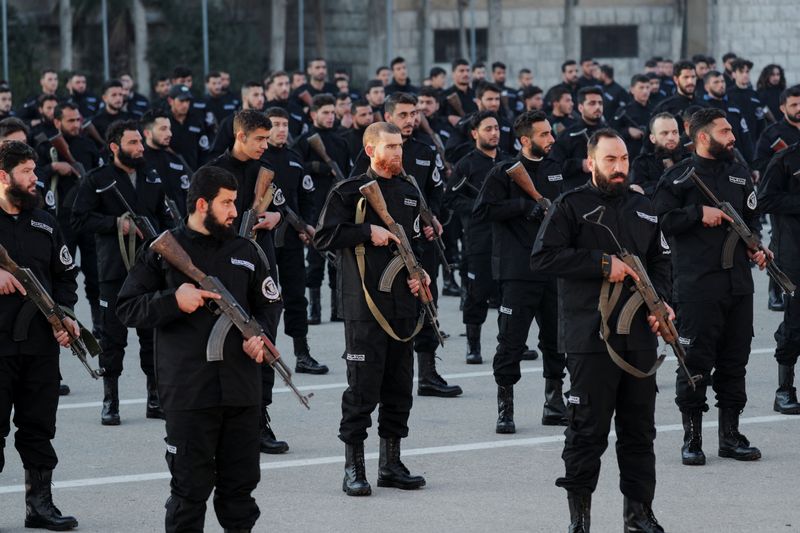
[
  {"x": 192, "y": 138},
  {"x": 467, "y": 98},
  {"x": 779, "y": 195},
  {"x": 33, "y": 240},
  {"x": 765, "y": 148},
  {"x": 697, "y": 250},
  {"x": 570, "y": 150},
  {"x": 632, "y": 114},
  {"x": 102, "y": 120},
  {"x": 186, "y": 380},
  {"x": 676, "y": 105},
  {"x": 338, "y": 231},
  {"x": 571, "y": 248},
  {"x": 174, "y": 172},
  {"x": 336, "y": 147},
  {"x": 461, "y": 142},
  {"x": 647, "y": 169},
  {"x": 296, "y": 191}
]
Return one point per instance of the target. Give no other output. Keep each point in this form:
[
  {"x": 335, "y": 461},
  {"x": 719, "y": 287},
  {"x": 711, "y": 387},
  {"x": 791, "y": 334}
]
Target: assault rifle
[
  {"x": 230, "y": 311},
  {"x": 83, "y": 345},
  {"x": 374, "y": 196},
  {"x": 455, "y": 104},
  {"x": 437, "y": 140},
  {"x": 142, "y": 223},
  {"x": 316, "y": 144},
  {"x": 426, "y": 216},
  {"x": 519, "y": 175}
]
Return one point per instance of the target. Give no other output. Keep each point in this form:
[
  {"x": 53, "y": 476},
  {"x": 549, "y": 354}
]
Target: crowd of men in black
[{"x": 103, "y": 175}]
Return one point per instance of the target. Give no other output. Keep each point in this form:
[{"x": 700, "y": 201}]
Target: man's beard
[
  {"x": 21, "y": 198},
  {"x": 719, "y": 151},
  {"x": 160, "y": 145},
  {"x": 218, "y": 231},
  {"x": 537, "y": 151},
  {"x": 390, "y": 166},
  {"x": 487, "y": 146},
  {"x": 605, "y": 184},
  {"x": 793, "y": 118},
  {"x": 125, "y": 158},
  {"x": 662, "y": 152}
]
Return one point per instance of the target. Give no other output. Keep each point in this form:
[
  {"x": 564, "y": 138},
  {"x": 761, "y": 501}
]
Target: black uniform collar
[
  {"x": 707, "y": 165},
  {"x": 22, "y": 216},
  {"x": 371, "y": 174},
  {"x": 611, "y": 198},
  {"x": 229, "y": 155}
]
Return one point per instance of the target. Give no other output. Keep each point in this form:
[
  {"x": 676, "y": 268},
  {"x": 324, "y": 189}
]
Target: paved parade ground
[{"x": 114, "y": 479}]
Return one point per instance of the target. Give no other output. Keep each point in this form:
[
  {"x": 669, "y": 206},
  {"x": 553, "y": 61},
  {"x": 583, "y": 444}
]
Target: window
[
  {"x": 609, "y": 41},
  {"x": 446, "y": 47}
]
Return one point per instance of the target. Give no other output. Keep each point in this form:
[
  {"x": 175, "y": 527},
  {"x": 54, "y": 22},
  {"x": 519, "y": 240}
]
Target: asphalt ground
[{"x": 114, "y": 479}]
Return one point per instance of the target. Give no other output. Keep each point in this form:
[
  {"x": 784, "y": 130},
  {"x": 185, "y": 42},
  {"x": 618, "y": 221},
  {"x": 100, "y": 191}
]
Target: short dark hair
[
  {"x": 321, "y": 100},
  {"x": 651, "y": 63},
  {"x": 45, "y": 98},
  {"x": 486, "y": 87},
  {"x": 11, "y": 125},
  {"x": 110, "y": 84},
  {"x": 160, "y": 79},
  {"x": 380, "y": 68},
  {"x": 274, "y": 75},
  {"x": 588, "y": 90},
  {"x": 523, "y": 125},
  {"x": 657, "y": 116},
  {"x": 4, "y": 87},
  {"x": 181, "y": 71},
  {"x": 480, "y": 116},
  {"x": 371, "y": 84},
  {"x": 206, "y": 183},
  {"x": 711, "y": 74},
  {"x": 530, "y": 91},
  {"x": 276, "y": 112},
  {"x": 699, "y": 58},
  {"x": 567, "y": 63},
  {"x": 608, "y": 70},
  {"x": 118, "y": 128},
  {"x": 793, "y": 92},
  {"x": 498, "y": 64},
  {"x": 727, "y": 56},
  {"x": 249, "y": 120},
  {"x": 702, "y": 118},
  {"x": 213, "y": 74},
  {"x": 602, "y": 133},
  {"x": 47, "y": 70},
  {"x": 687, "y": 113},
  {"x": 13, "y": 153},
  {"x": 59, "y": 112},
  {"x": 639, "y": 78},
  {"x": 680, "y": 66},
  {"x": 398, "y": 98},
  {"x": 150, "y": 116},
  {"x": 459, "y": 62},
  {"x": 741, "y": 63},
  {"x": 479, "y": 64},
  {"x": 436, "y": 71},
  {"x": 340, "y": 97},
  {"x": 317, "y": 58},
  {"x": 523, "y": 71},
  {"x": 396, "y": 61},
  {"x": 430, "y": 92},
  {"x": 359, "y": 102},
  {"x": 558, "y": 92}
]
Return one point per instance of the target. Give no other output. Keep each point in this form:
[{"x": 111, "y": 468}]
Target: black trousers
[
  {"x": 380, "y": 371},
  {"x": 600, "y": 390},
  {"x": 208, "y": 448},
  {"x": 717, "y": 337},
  {"x": 86, "y": 243},
  {"x": 29, "y": 384},
  {"x": 522, "y": 301},
  {"x": 315, "y": 270},
  {"x": 267, "y": 383},
  {"x": 115, "y": 335},
  {"x": 451, "y": 233},
  {"x": 292, "y": 280},
  {"x": 787, "y": 335},
  {"x": 426, "y": 340},
  {"x": 480, "y": 287}
]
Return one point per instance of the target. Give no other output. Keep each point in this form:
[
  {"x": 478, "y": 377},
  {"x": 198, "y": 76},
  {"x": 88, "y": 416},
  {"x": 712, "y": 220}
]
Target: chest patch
[
  {"x": 194, "y": 129},
  {"x": 410, "y": 202},
  {"x": 506, "y": 310},
  {"x": 64, "y": 256},
  {"x": 423, "y": 162},
  {"x": 241, "y": 262},
  {"x": 152, "y": 177},
  {"x": 685, "y": 341},
  {"x": 269, "y": 289},
  {"x": 737, "y": 181},
  {"x": 175, "y": 166},
  {"x": 555, "y": 177},
  {"x": 751, "y": 201},
  {"x": 649, "y": 218},
  {"x": 42, "y": 226},
  {"x": 308, "y": 183}
]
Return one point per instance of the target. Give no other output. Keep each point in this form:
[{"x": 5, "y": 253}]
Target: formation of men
[{"x": 503, "y": 185}]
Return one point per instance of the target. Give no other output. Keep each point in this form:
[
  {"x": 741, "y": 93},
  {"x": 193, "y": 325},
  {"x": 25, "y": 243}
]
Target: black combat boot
[
  {"x": 639, "y": 518},
  {"x": 692, "y": 449},
  {"x": 580, "y": 509},
  {"x": 355, "y": 472},
  {"x": 154, "y": 409},
  {"x": 777, "y": 300},
  {"x": 110, "y": 413},
  {"x": 505, "y": 409},
  {"x": 529, "y": 355},
  {"x": 314, "y": 306},
  {"x": 63, "y": 389},
  {"x": 305, "y": 363},
  {"x": 268, "y": 442},
  {"x": 450, "y": 286},
  {"x": 430, "y": 382},
  {"x": 474, "y": 344},
  {"x": 732, "y": 443},
  {"x": 786, "y": 395},
  {"x": 554, "y": 412},
  {"x": 40, "y": 512},
  {"x": 391, "y": 471},
  {"x": 335, "y": 307}
]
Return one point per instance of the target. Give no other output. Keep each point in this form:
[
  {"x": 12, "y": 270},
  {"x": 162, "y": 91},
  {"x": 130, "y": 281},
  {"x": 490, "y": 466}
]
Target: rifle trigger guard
[
  {"x": 216, "y": 340},
  {"x": 729, "y": 248},
  {"x": 390, "y": 273}
]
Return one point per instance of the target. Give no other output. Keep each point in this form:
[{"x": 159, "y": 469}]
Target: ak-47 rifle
[
  {"x": 645, "y": 293},
  {"x": 738, "y": 230},
  {"x": 437, "y": 140},
  {"x": 455, "y": 104},
  {"x": 83, "y": 345},
  {"x": 305, "y": 97},
  {"x": 301, "y": 227},
  {"x": 316, "y": 144},
  {"x": 64, "y": 154},
  {"x": 426, "y": 216},
  {"x": 263, "y": 197},
  {"x": 173, "y": 212},
  {"x": 92, "y": 132},
  {"x": 142, "y": 223},
  {"x": 230, "y": 311},
  {"x": 520, "y": 176},
  {"x": 374, "y": 196},
  {"x": 778, "y": 145}
]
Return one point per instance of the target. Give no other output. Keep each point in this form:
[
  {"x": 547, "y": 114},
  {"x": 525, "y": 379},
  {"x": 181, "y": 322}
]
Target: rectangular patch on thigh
[{"x": 357, "y": 357}]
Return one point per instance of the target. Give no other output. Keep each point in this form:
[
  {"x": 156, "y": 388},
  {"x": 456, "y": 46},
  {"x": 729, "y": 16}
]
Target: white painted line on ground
[{"x": 335, "y": 459}]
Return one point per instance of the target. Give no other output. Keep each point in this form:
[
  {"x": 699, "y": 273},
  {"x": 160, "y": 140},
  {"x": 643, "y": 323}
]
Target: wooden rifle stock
[
  {"x": 519, "y": 175},
  {"x": 778, "y": 145},
  {"x": 316, "y": 144},
  {"x": 305, "y": 97},
  {"x": 455, "y": 103},
  {"x": 264, "y": 190}
]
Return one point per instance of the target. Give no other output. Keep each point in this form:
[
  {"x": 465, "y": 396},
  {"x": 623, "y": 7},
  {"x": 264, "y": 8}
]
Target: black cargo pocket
[
  {"x": 173, "y": 454},
  {"x": 577, "y": 406}
]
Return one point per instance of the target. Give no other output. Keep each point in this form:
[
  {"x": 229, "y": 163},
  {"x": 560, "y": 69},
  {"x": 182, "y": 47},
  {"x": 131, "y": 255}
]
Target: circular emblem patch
[
  {"x": 185, "y": 181},
  {"x": 203, "y": 142},
  {"x": 50, "y": 198},
  {"x": 278, "y": 198},
  {"x": 269, "y": 289},
  {"x": 308, "y": 183},
  {"x": 64, "y": 256},
  {"x": 751, "y": 201},
  {"x": 416, "y": 224}
]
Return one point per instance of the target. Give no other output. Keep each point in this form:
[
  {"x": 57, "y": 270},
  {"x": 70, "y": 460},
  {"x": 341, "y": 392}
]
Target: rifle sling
[
  {"x": 128, "y": 251},
  {"x": 361, "y": 209},
  {"x": 608, "y": 300},
  {"x": 729, "y": 248}
]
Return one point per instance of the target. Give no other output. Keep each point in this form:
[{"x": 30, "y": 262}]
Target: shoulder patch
[
  {"x": 50, "y": 198},
  {"x": 308, "y": 183},
  {"x": 64, "y": 256},
  {"x": 269, "y": 289},
  {"x": 436, "y": 176},
  {"x": 664, "y": 245},
  {"x": 752, "y": 202},
  {"x": 185, "y": 182},
  {"x": 737, "y": 181},
  {"x": 42, "y": 226},
  {"x": 241, "y": 262},
  {"x": 277, "y": 197},
  {"x": 416, "y": 225},
  {"x": 649, "y": 218},
  {"x": 203, "y": 142}
]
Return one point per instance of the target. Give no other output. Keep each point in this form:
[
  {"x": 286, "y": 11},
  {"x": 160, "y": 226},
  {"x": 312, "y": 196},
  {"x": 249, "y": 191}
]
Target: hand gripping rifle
[
  {"x": 738, "y": 230},
  {"x": 645, "y": 293},
  {"x": 141, "y": 222},
  {"x": 437, "y": 140},
  {"x": 426, "y": 216},
  {"x": 519, "y": 175},
  {"x": 63, "y": 152},
  {"x": 231, "y": 313},
  {"x": 82, "y": 346},
  {"x": 301, "y": 227},
  {"x": 372, "y": 193},
  {"x": 316, "y": 144}
]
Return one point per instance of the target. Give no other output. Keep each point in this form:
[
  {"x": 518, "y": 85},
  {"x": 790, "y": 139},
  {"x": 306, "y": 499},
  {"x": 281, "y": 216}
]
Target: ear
[
  {"x": 369, "y": 150},
  {"x": 590, "y": 163},
  {"x": 240, "y": 136},
  {"x": 5, "y": 177},
  {"x": 652, "y": 138},
  {"x": 474, "y": 134},
  {"x": 201, "y": 206}
]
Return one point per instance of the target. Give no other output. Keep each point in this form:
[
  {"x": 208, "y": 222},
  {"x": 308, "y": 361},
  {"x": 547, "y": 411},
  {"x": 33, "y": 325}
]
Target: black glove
[{"x": 536, "y": 213}]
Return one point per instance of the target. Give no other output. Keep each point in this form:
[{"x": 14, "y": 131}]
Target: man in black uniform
[
  {"x": 461, "y": 87},
  {"x": 428, "y": 104},
  {"x": 742, "y": 96},
  {"x": 212, "y": 427},
  {"x": 786, "y": 130},
  {"x": 317, "y": 71},
  {"x": 778, "y": 195},
  {"x": 462, "y": 190},
  {"x": 561, "y": 105},
  {"x": 400, "y": 82},
  {"x": 218, "y": 102},
  {"x": 715, "y": 96},
  {"x": 583, "y": 256},
  {"x": 685, "y": 79},
  {"x": 113, "y": 100},
  {"x": 633, "y": 115},
  {"x": 136, "y": 104},
  {"x": 277, "y": 89},
  {"x": 87, "y": 102},
  {"x": 29, "y": 370},
  {"x": 170, "y": 167},
  {"x": 569, "y": 81},
  {"x": 362, "y": 115},
  {"x": 614, "y": 95},
  {"x": 379, "y": 367},
  {"x": 461, "y": 143},
  {"x": 569, "y": 152},
  {"x": 252, "y": 98},
  {"x": 526, "y": 295},
  {"x": 323, "y": 116},
  {"x": 375, "y": 94},
  {"x": 103, "y": 215},
  {"x": 48, "y": 82},
  {"x": 649, "y": 166},
  {"x": 424, "y": 168},
  {"x": 588, "y": 77},
  {"x": 6, "y": 103},
  {"x": 191, "y": 136},
  {"x": 714, "y": 300}
]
